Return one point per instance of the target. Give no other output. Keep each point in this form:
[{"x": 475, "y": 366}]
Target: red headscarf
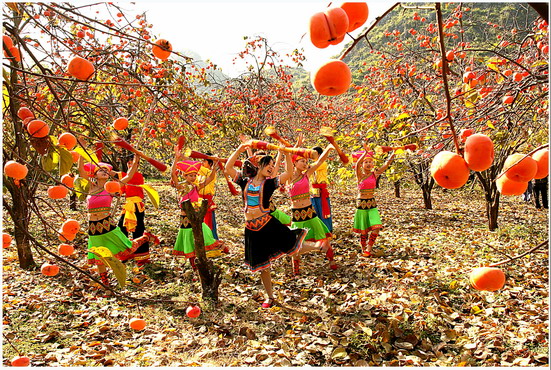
[{"x": 188, "y": 167}]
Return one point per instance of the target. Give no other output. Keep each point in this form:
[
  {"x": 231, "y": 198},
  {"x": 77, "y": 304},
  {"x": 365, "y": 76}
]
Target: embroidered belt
[
  {"x": 303, "y": 214},
  {"x": 258, "y": 223},
  {"x": 101, "y": 226},
  {"x": 367, "y": 193},
  {"x": 367, "y": 203},
  {"x": 184, "y": 222},
  {"x": 301, "y": 196}
]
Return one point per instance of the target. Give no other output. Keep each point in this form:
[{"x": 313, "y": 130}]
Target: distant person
[
  {"x": 540, "y": 189},
  {"x": 528, "y": 193},
  {"x": 319, "y": 195}
]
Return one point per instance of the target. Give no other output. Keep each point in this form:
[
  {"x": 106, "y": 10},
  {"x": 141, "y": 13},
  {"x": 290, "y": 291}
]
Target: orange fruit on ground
[
  {"x": 15, "y": 170},
  {"x": 357, "y": 14},
  {"x": 523, "y": 171},
  {"x": 112, "y": 186},
  {"x": 193, "y": 311},
  {"x": 6, "y": 240},
  {"x": 506, "y": 186},
  {"x": 542, "y": 159},
  {"x": 7, "y": 41},
  {"x": 80, "y": 68},
  {"x": 68, "y": 180},
  {"x": 328, "y": 28},
  {"x": 75, "y": 155},
  {"x": 57, "y": 192},
  {"x": 24, "y": 112},
  {"x": 49, "y": 269},
  {"x": 37, "y": 128},
  {"x": 487, "y": 278},
  {"x": 162, "y": 49},
  {"x": 67, "y": 140},
  {"x": 332, "y": 78},
  {"x": 137, "y": 323},
  {"x": 70, "y": 226},
  {"x": 449, "y": 170},
  {"x": 65, "y": 249},
  {"x": 20, "y": 361},
  {"x": 66, "y": 237},
  {"x": 120, "y": 123},
  {"x": 479, "y": 152}
]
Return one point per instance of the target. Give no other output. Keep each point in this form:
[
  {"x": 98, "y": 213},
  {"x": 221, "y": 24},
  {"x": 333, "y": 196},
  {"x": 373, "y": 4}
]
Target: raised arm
[
  {"x": 288, "y": 168},
  {"x": 320, "y": 160},
  {"x": 359, "y": 167},
  {"x": 209, "y": 178},
  {"x": 174, "y": 168},
  {"x": 384, "y": 167},
  {"x": 229, "y": 168},
  {"x": 277, "y": 163},
  {"x": 132, "y": 170},
  {"x": 81, "y": 171}
]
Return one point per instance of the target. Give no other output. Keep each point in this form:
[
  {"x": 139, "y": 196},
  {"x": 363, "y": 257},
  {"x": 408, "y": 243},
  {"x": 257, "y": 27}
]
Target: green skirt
[
  {"x": 185, "y": 244},
  {"x": 281, "y": 217},
  {"x": 115, "y": 241},
  {"x": 316, "y": 229},
  {"x": 366, "y": 220}
]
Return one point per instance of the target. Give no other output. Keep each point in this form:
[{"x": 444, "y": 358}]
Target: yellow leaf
[
  {"x": 87, "y": 158},
  {"x": 489, "y": 124},
  {"x": 475, "y": 310},
  {"x": 453, "y": 284},
  {"x": 493, "y": 66},
  {"x": 101, "y": 251},
  {"x": 152, "y": 194}
]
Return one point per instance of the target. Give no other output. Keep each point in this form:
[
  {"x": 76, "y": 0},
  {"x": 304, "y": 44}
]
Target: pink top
[
  {"x": 300, "y": 189},
  {"x": 99, "y": 202},
  {"x": 370, "y": 182},
  {"x": 192, "y": 195}
]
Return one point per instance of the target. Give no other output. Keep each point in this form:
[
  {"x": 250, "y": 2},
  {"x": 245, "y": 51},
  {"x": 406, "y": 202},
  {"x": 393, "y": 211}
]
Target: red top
[{"x": 134, "y": 191}]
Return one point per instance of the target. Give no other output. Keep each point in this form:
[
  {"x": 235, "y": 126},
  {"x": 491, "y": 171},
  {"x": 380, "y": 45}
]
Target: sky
[{"x": 215, "y": 29}]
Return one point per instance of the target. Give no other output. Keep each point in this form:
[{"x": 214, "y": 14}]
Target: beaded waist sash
[
  {"x": 258, "y": 223},
  {"x": 101, "y": 226},
  {"x": 366, "y": 203},
  {"x": 184, "y": 222},
  {"x": 303, "y": 214},
  {"x": 300, "y": 196}
]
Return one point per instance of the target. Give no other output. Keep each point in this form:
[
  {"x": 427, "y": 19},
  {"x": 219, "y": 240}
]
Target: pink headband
[
  {"x": 358, "y": 154},
  {"x": 296, "y": 157},
  {"x": 92, "y": 168},
  {"x": 188, "y": 167}
]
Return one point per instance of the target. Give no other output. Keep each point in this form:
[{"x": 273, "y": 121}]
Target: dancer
[
  {"x": 133, "y": 213},
  {"x": 367, "y": 221},
  {"x": 319, "y": 195},
  {"x": 303, "y": 213},
  {"x": 208, "y": 192},
  {"x": 185, "y": 244},
  {"x": 266, "y": 238},
  {"x": 101, "y": 230}
]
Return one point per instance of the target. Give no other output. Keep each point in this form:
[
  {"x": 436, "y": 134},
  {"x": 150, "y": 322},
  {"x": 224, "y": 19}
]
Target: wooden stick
[
  {"x": 124, "y": 144},
  {"x": 327, "y": 132},
  {"x": 271, "y": 132}
]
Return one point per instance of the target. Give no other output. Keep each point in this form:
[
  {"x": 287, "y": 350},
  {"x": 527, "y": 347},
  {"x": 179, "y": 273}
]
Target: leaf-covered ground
[{"x": 411, "y": 305}]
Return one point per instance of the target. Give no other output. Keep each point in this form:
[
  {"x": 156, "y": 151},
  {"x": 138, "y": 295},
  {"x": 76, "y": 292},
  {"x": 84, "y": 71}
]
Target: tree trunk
[
  {"x": 397, "y": 189},
  {"x": 427, "y": 199},
  {"x": 492, "y": 212},
  {"x": 210, "y": 275}
]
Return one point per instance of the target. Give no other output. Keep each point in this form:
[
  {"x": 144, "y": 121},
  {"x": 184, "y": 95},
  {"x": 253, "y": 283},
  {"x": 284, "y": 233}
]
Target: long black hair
[{"x": 250, "y": 169}]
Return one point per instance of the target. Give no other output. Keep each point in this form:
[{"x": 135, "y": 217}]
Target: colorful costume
[
  {"x": 133, "y": 215},
  {"x": 185, "y": 244},
  {"x": 208, "y": 193},
  {"x": 367, "y": 216},
  {"x": 320, "y": 196},
  {"x": 104, "y": 233},
  {"x": 266, "y": 238},
  {"x": 306, "y": 218}
]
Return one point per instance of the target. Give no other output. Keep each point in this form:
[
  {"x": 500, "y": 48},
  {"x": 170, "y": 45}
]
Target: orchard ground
[{"x": 411, "y": 305}]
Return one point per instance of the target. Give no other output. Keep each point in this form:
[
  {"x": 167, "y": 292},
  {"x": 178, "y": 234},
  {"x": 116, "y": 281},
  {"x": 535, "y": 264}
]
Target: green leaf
[
  {"x": 65, "y": 162},
  {"x": 49, "y": 161},
  {"x": 82, "y": 187}
]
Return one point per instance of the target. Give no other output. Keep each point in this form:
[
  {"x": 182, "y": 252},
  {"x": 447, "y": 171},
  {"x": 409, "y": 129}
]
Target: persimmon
[
  {"x": 65, "y": 249},
  {"x": 37, "y": 128},
  {"x": 80, "y": 68},
  {"x": 15, "y": 170},
  {"x": 14, "y": 51},
  {"x": 49, "y": 269},
  {"x": 193, "y": 311},
  {"x": 506, "y": 186},
  {"x": 67, "y": 140},
  {"x": 328, "y": 28},
  {"x": 70, "y": 226},
  {"x": 508, "y": 99},
  {"x": 75, "y": 155},
  {"x": 542, "y": 159},
  {"x": 465, "y": 133},
  {"x": 6, "y": 240},
  {"x": 68, "y": 180},
  {"x": 120, "y": 123},
  {"x": 26, "y": 121},
  {"x": 24, "y": 112},
  {"x": 162, "y": 49},
  {"x": 8, "y": 42},
  {"x": 112, "y": 186},
  {"x": 523, "y": 171},
  {"x": 449, "y": 170},
  {"x": 57, "y": 192},
  {"x": 66, "y": 237},
  {"x": 137, "y": 323},
  {"x": 332, "y": 78},
  {"x": 357, "y": 14},
  {"x": 487, "y": 278},
  {"x": 20, "y": 361},
  {"x": 479, "y": 152}
]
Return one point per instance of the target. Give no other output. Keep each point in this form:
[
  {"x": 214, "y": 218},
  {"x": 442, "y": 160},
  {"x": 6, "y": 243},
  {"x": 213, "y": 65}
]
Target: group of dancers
[{"x": 269, "y": 233}]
